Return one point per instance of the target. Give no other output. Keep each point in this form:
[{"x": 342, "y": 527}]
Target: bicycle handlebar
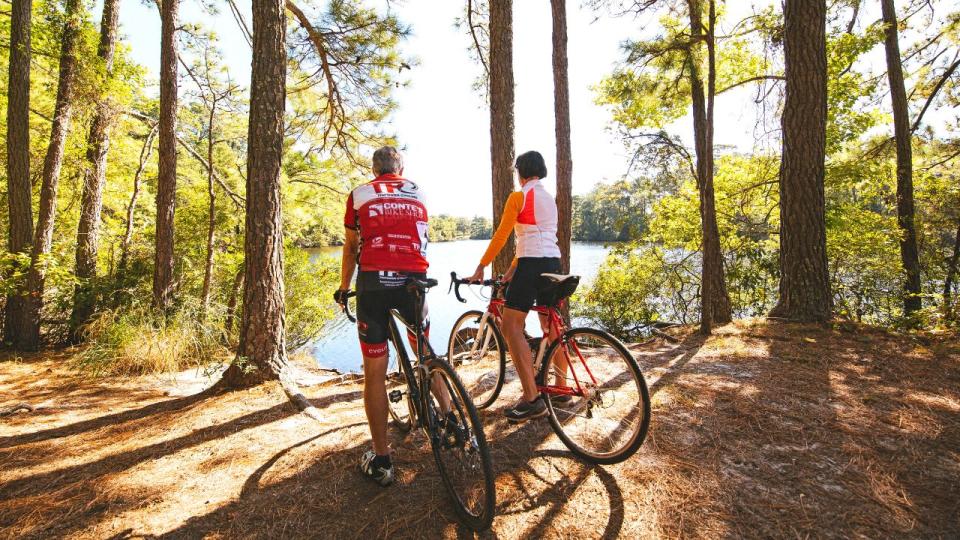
[
  {"x": 456, "y": 282},
  {"x": 346, "y": 306}
]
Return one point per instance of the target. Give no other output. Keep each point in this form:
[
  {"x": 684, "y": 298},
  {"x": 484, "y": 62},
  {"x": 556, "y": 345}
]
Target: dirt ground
[{"x": 763, "y": 430}]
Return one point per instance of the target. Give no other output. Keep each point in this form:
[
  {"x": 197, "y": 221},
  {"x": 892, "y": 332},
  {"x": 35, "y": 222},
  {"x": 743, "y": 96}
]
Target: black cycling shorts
[
  {"x": 527, "y": 286},
  {"x": 377, "y": 294}
]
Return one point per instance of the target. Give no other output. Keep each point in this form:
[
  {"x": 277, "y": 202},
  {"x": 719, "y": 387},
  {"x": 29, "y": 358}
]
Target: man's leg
[
  {"x": 375, "y": 401},
  {"x": 513, "y": 323}
]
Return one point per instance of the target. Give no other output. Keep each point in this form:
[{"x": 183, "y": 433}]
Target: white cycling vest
[{"x": 536, "y": 227}]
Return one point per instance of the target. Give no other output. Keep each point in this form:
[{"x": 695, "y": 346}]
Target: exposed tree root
[{"x": 10, "y": 411}]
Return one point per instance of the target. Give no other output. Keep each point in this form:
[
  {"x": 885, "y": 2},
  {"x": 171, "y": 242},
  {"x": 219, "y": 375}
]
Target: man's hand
[
  {"x": 340, "y": 296},
  {"x": 477, "y": 275}
]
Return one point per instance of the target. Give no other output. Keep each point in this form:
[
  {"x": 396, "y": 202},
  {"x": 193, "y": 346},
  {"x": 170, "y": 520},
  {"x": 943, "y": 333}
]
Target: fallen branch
[{"x": 25, "y": 407}]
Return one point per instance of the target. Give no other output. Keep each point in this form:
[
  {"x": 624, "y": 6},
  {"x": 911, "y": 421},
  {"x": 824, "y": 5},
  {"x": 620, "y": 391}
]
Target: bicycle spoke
[
  {"x": 608, "y": 418},
  {"x": 477, "y": 354},
  {"x": 460, "y": 447}
]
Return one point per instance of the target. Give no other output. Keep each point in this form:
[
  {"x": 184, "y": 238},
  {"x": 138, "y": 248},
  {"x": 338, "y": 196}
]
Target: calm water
[{"x": 337, "y": 348}]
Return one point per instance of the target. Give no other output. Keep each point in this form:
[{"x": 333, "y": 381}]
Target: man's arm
[{"x": 348, "y": 262}]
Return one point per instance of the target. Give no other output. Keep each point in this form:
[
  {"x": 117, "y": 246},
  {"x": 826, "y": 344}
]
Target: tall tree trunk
[
  {"x": 19, "y": 195},
  {"x": 132, "y": 205},
  {"x": 804, "y": 281},
  {"x": 948, "y": 313},
  {"x": 167, "y": 173},
  {"x": 561, "y": 109},
  {"x": 501, "y": 116},
  {"x": 212, "y": 213},
  {"x": 262, "y": 340},
  {"x": 909, "y": 255},
  {"x": 60, "y": 127},
  {"x": 98, "y": 143},
  {"x": 714, "y": 300}
]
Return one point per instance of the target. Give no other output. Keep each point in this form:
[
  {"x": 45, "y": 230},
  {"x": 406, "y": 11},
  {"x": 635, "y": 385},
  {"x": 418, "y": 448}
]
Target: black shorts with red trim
[
  {"x": 527, "y": 285},
  {"x": 377, "y": 294}
]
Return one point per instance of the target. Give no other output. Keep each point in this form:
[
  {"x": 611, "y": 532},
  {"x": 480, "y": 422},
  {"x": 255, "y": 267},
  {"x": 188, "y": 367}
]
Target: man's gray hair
[{"x": 387, "y": 160}]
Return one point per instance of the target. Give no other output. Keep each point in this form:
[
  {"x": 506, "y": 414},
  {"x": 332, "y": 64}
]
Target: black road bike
[{"x": 427, "y": 393}]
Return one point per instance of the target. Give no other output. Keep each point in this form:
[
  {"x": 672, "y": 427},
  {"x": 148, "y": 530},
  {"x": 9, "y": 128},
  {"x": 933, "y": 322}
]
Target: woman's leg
[{"x": 513, "y": 323}]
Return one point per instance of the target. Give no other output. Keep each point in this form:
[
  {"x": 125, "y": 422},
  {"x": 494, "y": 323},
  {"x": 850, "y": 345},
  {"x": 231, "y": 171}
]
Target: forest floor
[{"x": 762, "y": 430}]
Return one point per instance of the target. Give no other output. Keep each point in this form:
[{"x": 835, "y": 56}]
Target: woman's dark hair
[{"x": 530, "y": 164}]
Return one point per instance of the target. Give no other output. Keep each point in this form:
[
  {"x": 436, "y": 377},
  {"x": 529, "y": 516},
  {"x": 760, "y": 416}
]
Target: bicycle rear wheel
[
  {"x": 608, "y": 421},
  {"x": 460, "y": 448},
  {"x": 398, "y": 396},
  {"x": 479, "y": 355}
]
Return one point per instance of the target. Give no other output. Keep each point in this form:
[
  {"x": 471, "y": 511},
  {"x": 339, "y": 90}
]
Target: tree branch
[
  {"x": 473, "y": 34},
  {"x": 933, "y": 94},
  {"x": 753, "y": 79}
]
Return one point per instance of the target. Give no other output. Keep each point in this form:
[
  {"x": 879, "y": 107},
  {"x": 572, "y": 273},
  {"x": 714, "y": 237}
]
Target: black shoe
[
  {"x": 525, "y": 410},
  {"x": 560, "y": 399}
]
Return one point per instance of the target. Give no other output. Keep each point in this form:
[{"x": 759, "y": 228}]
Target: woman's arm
[{"x": 510, "y": 212}]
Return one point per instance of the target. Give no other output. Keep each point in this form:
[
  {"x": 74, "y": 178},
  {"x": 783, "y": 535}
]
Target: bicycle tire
[
  {"x": 400, "y": 411},
  {"x": 478, "y": 372},
  {"x": 470, "y": 442},
  {"x": 572, "y": 421}
]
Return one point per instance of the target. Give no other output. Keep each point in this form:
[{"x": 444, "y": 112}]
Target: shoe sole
[{"x": 540, "y": 414}]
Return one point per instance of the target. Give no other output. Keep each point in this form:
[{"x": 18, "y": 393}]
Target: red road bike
[{"x": 597, "y": 399}]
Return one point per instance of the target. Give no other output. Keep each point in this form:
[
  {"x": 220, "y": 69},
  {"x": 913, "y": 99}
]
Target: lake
[{"x": 337, "y": 348}]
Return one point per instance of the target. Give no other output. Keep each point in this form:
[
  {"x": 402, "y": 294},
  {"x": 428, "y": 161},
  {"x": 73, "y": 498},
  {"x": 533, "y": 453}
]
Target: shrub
[{"x": 137, "y": 340}]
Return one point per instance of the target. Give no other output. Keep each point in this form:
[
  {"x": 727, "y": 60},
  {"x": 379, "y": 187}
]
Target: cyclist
[
  {"x": 386, "y": 232},
  {"x": 532, "y": 214}
]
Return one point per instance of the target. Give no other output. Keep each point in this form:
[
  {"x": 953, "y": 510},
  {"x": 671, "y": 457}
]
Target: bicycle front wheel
[
  {"x": 460, "y": 447},
  {"x": 606, "y": 417},
  {"x": 477, "y": 351}
]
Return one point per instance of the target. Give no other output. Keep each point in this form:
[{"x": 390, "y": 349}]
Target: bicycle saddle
[
  {"x": 560, "y": 279},
  {"x": 422, "y": 284}
]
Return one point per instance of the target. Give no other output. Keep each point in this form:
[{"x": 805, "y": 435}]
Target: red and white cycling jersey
[{"x": 390, "y": 216}]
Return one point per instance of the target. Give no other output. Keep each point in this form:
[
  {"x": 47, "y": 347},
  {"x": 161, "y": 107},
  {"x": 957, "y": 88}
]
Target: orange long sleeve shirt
[{"x": 510, "y": 212}]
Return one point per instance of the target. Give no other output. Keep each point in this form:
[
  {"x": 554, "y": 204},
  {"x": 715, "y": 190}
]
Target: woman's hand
[
  {"x": 477, "y": 275},
  {"x": 509, "y": 275}
]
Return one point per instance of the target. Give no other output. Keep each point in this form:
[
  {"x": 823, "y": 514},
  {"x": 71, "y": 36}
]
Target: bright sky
[{"x": 443, "y": 124}]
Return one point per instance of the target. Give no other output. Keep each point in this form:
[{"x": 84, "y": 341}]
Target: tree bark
[
  {"x": 19, "y": 195},
  {"x": 561, "y": 108},
  {"x": 804, "y": 281},
  {"x": 501, "y": 117},
  {"x": 909, "y": 255},
  {"x": 948, "y": 313},
  {"x": 714, "y": 300},
  {"x": 132, "y": 205},
  {"x": 167, "y": 172},
  {"x": 43, "y": 236},
  {"x": 98, "y": 143},
  {"x": 262, "y": 340},
  {"x": 212, "y": 212}
]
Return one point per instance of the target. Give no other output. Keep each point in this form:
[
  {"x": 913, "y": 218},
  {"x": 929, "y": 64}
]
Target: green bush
[{"x": 136, "y": 340}]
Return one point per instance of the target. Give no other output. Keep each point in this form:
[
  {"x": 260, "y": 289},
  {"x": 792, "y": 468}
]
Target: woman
[{"x": 532, "y": 214}]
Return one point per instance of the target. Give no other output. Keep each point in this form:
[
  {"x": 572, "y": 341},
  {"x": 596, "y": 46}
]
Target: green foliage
[
  {"x": 445, "y": 228},
  {"x": 610, "y": 213},
  {"x": 309, "y": 293},
  {"x": 135, "y": 340}
]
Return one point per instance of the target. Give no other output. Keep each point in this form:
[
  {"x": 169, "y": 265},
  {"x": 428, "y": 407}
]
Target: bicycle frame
[
  {"x": 417, "y": 383},
  {"x": 556, "y": 326}
]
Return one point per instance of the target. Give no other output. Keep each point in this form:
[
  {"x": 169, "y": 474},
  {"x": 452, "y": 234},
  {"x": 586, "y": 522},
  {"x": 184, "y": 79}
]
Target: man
[{"x": 386, "y": 232}]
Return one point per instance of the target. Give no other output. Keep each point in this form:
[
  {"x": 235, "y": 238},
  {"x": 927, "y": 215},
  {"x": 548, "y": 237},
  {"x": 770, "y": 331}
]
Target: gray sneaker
[
  {"x": 525, "y": 410},
  {"x": 381, "y": 475}
]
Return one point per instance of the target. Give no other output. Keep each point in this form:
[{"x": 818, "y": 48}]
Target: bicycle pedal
[{"x": 395, "y": 396}]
